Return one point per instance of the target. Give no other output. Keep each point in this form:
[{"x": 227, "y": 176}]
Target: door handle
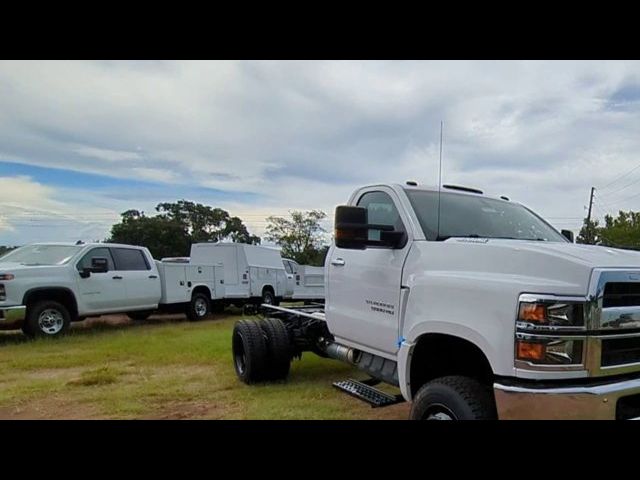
[
  {"x": 153, "y": 276},
  {"x": 117, "y": 277},
  {"x": 338, "y": 262}
]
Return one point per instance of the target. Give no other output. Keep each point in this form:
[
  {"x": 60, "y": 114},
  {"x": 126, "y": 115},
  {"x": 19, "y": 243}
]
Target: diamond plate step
[{"x": 367, "y": 393}]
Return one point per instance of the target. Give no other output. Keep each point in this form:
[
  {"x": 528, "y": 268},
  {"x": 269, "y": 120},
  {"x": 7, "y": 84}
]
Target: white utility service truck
[
  {"x": 474, "y": 307},
  {"x": 304, "y": 282},
  {"x": 46, "y": 286}
]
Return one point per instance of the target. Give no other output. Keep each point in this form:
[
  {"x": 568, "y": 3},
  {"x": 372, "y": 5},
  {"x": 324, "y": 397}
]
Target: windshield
[
  {"x": 41, "y": 254},
  {"x": 476, "y": 216}
]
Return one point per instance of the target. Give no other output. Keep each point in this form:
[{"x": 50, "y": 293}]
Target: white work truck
[
  {"x": 46, "y": 286},
  {"x": 304, "y": 282},
  {"x": 474, "y": 307},
  {"x": 253, "y": 274}
]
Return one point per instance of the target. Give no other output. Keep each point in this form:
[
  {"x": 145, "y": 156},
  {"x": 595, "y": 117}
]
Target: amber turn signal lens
[
  {"x": 530, "y": 351},
  {"x": 533, "y": 312}
]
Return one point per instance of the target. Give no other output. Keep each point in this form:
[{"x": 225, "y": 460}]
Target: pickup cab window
[
  {"x": 287, "y": 267},
  {"x": 130, "y": 259},
  {"x": 100, "y": 252},
  {"x": 478, "y": 217},
  {"x": 381, "y": 211}
]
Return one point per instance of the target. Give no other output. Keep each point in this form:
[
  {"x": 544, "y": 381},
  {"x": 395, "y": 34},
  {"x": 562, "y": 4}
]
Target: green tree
[
  {"x": 171, "y": 232},
  {"x": 589, "y": 233},
  {"x": 622, "y": 231},
  {"x": 300, "y": 236},
  {"x": 163, "y": 237},
  {"x": 204, "y": 223}
]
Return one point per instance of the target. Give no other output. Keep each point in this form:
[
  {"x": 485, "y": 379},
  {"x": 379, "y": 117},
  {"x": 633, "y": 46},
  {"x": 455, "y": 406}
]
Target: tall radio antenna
[{"x": 439, "y": 181}]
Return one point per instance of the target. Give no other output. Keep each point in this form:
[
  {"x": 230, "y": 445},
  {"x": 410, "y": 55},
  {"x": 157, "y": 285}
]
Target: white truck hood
[
  {"x": 589, "y": 255},
  {"x": 528, "y": 266}
]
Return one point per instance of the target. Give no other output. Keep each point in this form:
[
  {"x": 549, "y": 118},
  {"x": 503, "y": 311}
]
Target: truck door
[
  {"x": 100, "y": 292},
  {"x": 363, "y": 306},
  {"x": 139, "y": 276}
]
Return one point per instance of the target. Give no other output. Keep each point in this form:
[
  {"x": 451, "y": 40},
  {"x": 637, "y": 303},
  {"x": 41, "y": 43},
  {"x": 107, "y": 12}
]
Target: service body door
[
  {"x": 365, "y": 285},
  {"x": 290, "y": 269},
  {"x": 139, "y": 276},
  {"x": 100, "y": 292}
]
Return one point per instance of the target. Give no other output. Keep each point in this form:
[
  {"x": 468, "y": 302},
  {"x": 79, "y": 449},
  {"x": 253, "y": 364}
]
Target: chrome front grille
[
  {"x": 614, "y": 322},
  {"x": 621, "y": 294}
]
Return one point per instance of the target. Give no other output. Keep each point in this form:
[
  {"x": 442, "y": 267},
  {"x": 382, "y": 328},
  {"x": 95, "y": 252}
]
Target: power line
[{"x": 620, "y": 177}]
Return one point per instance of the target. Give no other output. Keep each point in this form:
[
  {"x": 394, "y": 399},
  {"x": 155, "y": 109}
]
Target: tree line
[
  {"x": 622, "y": 231},
  {"x": 175, "y": 226}
]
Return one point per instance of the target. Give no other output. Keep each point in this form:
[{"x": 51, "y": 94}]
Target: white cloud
[{"x": 305, "y": 134}]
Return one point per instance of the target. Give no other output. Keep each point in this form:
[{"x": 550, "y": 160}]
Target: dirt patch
[
  {"x": 190, "y": 411},
  {"x": 49, "y": 409}
]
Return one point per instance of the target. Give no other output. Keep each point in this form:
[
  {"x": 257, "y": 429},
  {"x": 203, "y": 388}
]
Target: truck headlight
[
  {"x": 550, "y": 314},
  {"x": 550, "y": 331},
  {"x": 550, "y": 352}
]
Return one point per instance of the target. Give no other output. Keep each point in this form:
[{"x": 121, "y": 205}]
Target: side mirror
[
  {"x": 99, "y": 265},
  {"x": 351, "y": 227},
  {"x": 568, "y": 234},
  {"x": 352, "y": 230}
]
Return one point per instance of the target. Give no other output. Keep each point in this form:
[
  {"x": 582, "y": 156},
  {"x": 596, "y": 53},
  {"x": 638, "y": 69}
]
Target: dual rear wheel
[{"x": 262, "y": 350}]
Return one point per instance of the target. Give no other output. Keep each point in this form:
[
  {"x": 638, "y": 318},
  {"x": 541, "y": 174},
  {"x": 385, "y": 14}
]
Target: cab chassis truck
[{"x": 474, "y": 307}]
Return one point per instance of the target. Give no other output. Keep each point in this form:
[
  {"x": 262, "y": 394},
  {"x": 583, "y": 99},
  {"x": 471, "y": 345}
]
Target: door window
[
  {"x": 130, "y": 259},
  {"x": 380, "y": 211},
  {"x": 101, "y": 252}
]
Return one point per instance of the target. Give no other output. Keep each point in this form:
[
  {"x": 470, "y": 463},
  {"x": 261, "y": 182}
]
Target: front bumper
[
  {"x": 609, "y": 401},
  {"x": 12, "y": 317}
]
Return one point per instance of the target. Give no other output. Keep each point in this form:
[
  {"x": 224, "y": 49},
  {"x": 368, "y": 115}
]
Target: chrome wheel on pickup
[
  {"x": 199, "y": 307},
  {"x": 46, "y": 319}
]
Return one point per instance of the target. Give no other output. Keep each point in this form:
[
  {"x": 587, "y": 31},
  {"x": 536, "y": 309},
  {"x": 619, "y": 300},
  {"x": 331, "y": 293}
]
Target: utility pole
[{"x": 590, "y": 240}]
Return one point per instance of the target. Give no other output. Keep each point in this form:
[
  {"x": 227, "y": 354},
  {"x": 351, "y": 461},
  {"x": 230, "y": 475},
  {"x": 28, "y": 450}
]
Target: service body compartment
[{"x": 178, "y": 280}]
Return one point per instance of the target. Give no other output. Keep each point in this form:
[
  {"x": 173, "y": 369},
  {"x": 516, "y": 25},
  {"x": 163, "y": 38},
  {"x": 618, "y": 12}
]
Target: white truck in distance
[
  {"x": 44, "y": 287},
  {"x": 253, "y": 274},
  {"x": 304, "y": 282},
  {"x": 474, "y": 307}
]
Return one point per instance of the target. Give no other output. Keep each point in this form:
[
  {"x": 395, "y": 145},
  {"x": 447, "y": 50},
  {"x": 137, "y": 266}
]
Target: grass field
[{"x": 164, "y": 368}]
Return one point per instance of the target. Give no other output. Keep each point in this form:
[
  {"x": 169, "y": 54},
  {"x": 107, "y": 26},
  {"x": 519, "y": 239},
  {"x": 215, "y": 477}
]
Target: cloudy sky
[{"x": 81, "y": 142}]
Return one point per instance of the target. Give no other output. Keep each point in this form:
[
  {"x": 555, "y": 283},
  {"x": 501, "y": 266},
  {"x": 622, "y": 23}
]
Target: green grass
[{"x": 162, "y": 369}]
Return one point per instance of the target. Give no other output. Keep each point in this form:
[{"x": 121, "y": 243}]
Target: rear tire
[
  {"x": 268, "y": 297},
  {"x": 46, "y": 319},
  {"x": 199, "y": 307},
  {"x": 250, "y": 355},
  {"x": 453, "y": 398},
  {"x": 278, "y": 348},
  {"x": 139, "y": 316}
]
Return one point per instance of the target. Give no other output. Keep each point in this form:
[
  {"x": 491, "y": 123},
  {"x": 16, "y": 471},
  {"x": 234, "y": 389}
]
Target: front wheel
[
  {"x": 46, "y": 319},
  {"x": 199, "y": 308},
  {"x": 453, "y": 398}
]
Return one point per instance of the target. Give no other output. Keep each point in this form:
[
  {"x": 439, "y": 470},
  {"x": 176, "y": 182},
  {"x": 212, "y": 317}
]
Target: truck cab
[{"x": 475, "y": 307}]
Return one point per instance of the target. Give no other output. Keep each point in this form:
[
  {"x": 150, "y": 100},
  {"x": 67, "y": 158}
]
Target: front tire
[
  {"x": 46, "y": 319},
  {"x": 249, "y": 348},
  {"x": 453, "y": 398},
  {"x": 199, "y": 308}
]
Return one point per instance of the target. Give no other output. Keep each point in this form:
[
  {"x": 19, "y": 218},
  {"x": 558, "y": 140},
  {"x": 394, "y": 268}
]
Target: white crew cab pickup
[
  {"x": 474, "y": 307},
  {"x": 46, "y": 286}
]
